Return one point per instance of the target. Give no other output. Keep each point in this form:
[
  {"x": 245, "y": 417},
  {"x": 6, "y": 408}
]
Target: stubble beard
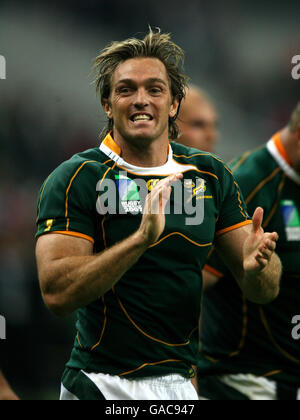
[{"x": 141, "y": 140}]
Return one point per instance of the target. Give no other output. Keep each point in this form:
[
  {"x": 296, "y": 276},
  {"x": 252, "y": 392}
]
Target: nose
[
  {"x": 140, "y": 99},
  {"x": 211, "y": 133}
]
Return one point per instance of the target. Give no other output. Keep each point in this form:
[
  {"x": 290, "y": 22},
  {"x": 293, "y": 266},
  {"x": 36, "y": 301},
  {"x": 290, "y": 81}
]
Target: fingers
[
  {"x": 169, "y": 180},
  {"x": 160, "y": 194},
  {"x": 257, "y": 219},
  {"x": 268, "y": 246},
  {"x": 263, "y": 262}
]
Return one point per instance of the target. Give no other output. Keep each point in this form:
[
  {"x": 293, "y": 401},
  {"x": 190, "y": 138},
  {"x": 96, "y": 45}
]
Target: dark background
[{"x": 239, "y": 52}]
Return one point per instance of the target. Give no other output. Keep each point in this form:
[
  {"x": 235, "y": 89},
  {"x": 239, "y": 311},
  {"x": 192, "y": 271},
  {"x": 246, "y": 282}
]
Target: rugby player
[
  {"x": 249, "y": 351},
  {"x": 134, "y": 275},
  {"x": 198, "y": 121}
]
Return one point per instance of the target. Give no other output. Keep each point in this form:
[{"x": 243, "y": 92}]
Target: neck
[
  {"x": 143, "y": 153},
  {"x": 290, "y": 144}
]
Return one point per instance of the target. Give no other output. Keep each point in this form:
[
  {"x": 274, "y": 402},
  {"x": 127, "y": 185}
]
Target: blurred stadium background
[{"x": 239, "y": 52}]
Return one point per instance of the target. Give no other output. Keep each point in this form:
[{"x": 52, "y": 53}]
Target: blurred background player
[
  {"x": 198, "y": 121},
  {"x": 248, "y": 351}
]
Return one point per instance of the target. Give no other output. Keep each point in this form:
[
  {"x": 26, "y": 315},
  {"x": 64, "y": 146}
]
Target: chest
[
  {"x": 191, "y": 211},
  {"x": 286, "y": 221}
]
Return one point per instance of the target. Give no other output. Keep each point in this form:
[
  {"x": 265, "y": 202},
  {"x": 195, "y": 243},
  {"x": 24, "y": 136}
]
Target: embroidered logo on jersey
[
  {"x": 129, "y": 194},
  {"x": 291, "y": 220},
  {"x": 188, "y": 183},
  {"x": 49, "y": 224},
  {"x": 200, "y": 188},
  {"x": 151, "y": 184}
]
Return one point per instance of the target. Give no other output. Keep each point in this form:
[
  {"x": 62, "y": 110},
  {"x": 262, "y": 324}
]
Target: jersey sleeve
[
  {"x": 215, "y": 265},
  {"x": 67, "y": 202},
  {"x": 233, "y": 211}
]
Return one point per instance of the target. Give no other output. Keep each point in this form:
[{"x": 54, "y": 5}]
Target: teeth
[{"x": 141, "y": 118}]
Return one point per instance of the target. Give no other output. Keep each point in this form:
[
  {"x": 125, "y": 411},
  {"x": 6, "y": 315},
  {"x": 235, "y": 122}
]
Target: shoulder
[
  {"x": 204, "y": 161},
  {"x": 93, "y": 160},
  {"x": 256, "y": 170},
  {"x": 88, "y": 164}
]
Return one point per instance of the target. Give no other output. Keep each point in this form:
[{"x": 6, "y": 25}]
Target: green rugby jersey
[
  {"x": 147, "y": 325},
  {"x": 241, "y": 337}
]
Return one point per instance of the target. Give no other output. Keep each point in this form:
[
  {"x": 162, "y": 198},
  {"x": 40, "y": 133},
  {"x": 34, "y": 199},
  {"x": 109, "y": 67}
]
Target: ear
[
  {"x": 174, "y": 108},
  {"x": 107, "y": 108}
]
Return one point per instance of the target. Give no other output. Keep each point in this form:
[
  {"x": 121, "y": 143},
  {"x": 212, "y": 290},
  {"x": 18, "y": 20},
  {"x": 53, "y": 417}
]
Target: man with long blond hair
[{"x": 117, "y": 241}]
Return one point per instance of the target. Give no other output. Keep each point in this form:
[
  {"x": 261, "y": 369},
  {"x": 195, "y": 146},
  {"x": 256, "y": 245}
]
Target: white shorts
[
  {"x": 169, "y": 387},
  {"x": 254, "y": 387}
]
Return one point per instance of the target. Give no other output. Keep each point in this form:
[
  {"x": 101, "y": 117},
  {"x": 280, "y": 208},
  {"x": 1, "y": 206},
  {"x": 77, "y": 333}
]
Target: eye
[
  {"x": 155, "y": 90},
  {"x": 198, "y": 124},
  {"x": 124, "y": 90}
]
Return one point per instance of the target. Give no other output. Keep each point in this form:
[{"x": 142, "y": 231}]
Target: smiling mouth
[{"x": 141, "y": 117}]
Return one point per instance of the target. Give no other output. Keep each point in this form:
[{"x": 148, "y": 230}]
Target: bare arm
[
  {"x": 72, "y": 277},
  {"x": 249, "y": 254},
  {"x": 209, "y": 279},
  {"x": 6, "y": 393}
]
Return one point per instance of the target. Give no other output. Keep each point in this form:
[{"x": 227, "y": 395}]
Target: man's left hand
[{"x": 259, "y": 246}]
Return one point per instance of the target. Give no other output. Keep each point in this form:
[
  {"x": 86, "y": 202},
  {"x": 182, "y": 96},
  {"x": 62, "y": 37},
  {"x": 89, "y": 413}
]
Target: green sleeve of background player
[
  {"x": 233, "y": 210},
  {"x": 258, "y": 176}
]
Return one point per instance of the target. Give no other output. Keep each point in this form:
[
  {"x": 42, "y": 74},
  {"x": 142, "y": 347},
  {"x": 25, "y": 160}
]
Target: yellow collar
[
  {"x": 111, "y": 144},
  {"x": 280, "y": 148}
]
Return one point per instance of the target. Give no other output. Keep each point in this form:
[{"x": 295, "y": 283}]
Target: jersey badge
[
  {"x": 129, "y": 194},
  {"x": 291, "y": 219}
]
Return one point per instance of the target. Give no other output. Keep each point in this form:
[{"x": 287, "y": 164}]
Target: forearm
[
  {"x": 75, "y": 281},
  {"x": 6, "y": 393},
  {"x": 262, "y": 288}
]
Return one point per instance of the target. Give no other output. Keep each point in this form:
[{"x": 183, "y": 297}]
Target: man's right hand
[{"x": 154, "y": 220}]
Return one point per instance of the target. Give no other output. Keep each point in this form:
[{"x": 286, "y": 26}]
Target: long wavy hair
[{"x": 154, "y": 45}]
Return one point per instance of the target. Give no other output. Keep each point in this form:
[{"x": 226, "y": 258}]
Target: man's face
[
  {"x": 198, "y": 124},
  {"x": 140, "y": 102}
]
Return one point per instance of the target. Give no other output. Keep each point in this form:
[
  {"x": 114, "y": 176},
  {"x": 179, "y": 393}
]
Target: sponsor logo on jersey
[{"x": 291, "y": 219}]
